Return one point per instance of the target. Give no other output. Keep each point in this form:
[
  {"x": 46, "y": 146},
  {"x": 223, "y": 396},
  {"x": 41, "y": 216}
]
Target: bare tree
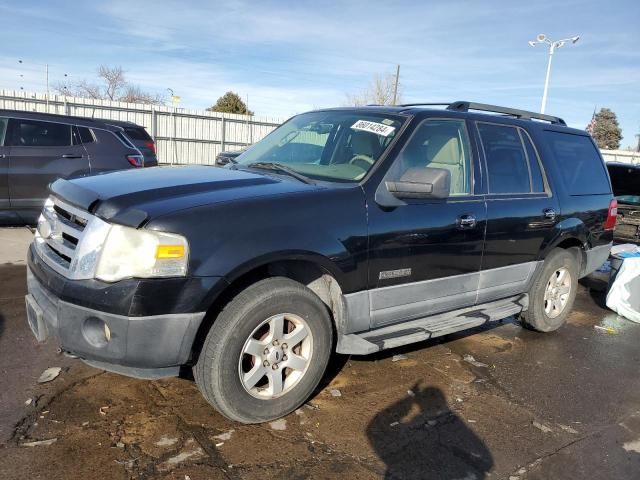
[
  {"x": 379, "y": 92},
  {"x": 112, "y": 85}
]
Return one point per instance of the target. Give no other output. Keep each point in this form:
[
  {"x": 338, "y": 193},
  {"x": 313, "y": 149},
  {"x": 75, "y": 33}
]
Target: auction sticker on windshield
[{"x": 373, "y": 127}]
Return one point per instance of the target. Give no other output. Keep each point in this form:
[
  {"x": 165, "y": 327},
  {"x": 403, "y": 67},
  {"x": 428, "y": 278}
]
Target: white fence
[
  {"x": 621, "y": 156},
  {"x": 182, "y": 136}
]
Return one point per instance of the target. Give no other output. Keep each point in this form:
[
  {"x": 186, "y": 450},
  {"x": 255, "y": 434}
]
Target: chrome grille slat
[
  {"x": 62, "y": 246},
  {"x": 68, "y": 239}
]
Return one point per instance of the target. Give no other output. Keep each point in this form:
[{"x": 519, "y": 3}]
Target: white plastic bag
[{"x": 624, "y": 295}]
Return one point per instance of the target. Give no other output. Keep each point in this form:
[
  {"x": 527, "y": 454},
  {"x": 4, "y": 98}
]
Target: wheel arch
[{"x": 316, "y": 272}]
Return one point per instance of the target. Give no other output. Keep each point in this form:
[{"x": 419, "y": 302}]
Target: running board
[{"x": 412, "y": 331}]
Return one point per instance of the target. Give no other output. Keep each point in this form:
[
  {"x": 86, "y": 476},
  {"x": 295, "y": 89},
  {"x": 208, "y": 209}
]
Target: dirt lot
[{"x": 499, "y": 402}]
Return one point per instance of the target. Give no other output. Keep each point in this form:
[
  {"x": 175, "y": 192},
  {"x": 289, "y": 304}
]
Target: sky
[{"x": 293, "y": 56}]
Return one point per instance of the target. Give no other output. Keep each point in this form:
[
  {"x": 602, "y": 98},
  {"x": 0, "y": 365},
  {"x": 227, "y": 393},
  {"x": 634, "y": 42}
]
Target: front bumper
[{"x": 145, "y": 346}]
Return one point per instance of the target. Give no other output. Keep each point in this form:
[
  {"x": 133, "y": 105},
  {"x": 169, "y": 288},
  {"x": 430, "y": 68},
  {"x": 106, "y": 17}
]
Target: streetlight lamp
[
  {"x": 46, "y": 71},
  {"x": 553, "y": 46}
]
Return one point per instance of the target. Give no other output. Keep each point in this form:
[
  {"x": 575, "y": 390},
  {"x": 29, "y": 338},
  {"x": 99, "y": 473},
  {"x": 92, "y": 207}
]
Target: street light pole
[
  {"x": 553, "y": 46},
  {"x": 543, "y": 106}
]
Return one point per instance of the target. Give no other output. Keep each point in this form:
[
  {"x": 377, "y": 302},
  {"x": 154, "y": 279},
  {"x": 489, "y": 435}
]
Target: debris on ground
[
  {"x": 280, "y": 424},
  {"x": 394, "y": 424},
  {"x": 335, "y": 392},
  {"x": 541, "y": 427},
  {"x": 39, "y": 443},
  {"x": 568, "y": 429},
  {"x": 28, "y": 401},
  {"x": 411, "y": 393},
  {"x": 397, "y": 358},
  {"x": 167, "y": 441},
  {"x": 103, "y": 410},
  {"x": 469, "y": 359},
  {"x": 49, "y": 374},
  {"x": 120, "y": 445},
  {"x": 609, "y": 330},
  {"x": 311, "y": 406},
  {"x": 224, "y": 436}
]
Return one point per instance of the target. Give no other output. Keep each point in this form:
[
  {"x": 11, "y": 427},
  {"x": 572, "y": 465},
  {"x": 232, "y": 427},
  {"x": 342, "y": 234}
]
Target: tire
[
  {"x": 249, "y": 323},
  {"x": 549, "y": 314}
]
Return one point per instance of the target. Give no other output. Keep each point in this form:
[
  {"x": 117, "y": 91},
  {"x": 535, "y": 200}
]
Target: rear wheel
[
  {"x": 553, "y": 293},
  {"x": 266, "y": 352}
]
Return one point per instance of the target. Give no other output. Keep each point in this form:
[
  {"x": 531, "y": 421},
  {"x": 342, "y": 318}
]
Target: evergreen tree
[
  {"x": 230, "y": 102},
  {"x": 605, "y": 130}
]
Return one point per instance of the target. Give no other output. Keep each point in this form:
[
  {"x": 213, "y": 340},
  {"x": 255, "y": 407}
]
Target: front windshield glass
[{"x": 339, "y": 145}]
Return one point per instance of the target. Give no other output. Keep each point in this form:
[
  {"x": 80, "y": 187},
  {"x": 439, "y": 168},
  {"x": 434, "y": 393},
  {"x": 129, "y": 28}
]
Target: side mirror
[{"x": 421, "y": 183}]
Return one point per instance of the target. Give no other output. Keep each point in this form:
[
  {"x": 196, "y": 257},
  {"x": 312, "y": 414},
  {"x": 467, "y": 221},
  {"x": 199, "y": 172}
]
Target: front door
[
  {"x": 425, "y": 254},
  {"x": 41, "y": 152},
  {"x": 4, "y": 175}
]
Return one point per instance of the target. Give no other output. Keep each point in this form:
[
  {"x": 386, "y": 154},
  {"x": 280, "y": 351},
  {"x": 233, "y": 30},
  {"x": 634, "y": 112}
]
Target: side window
[
  {"x": 537, "y": 183},
  {"x": 3, "y": 129},
  {"x": 82, "y": 135},
  {"x": 34, "y": 133},
  {"x": 508, "y": 169},
  {"x": 440, "y": 143},
  {"x": 580, "y": 165}
]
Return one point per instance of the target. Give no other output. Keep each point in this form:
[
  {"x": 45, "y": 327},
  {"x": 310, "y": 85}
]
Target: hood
[{"x": 133, "y": 197}]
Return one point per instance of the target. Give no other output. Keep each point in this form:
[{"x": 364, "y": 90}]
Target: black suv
[
  {"x": 37, "y": 148},
  {"x": 351, "y": 230}
]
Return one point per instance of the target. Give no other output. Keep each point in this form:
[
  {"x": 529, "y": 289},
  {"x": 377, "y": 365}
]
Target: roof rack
[{"x": 462, "y": 106}]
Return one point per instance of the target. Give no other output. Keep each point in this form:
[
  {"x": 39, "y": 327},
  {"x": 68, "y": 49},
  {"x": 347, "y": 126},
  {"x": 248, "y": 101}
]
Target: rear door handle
[
  {"x": 466, "y": 222},
  {"x": 71, "y": 155},
  {"x": 549, "y": 214}
]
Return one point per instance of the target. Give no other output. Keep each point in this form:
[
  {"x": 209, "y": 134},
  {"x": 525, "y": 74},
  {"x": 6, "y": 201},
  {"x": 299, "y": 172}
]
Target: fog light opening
[{"x": 96, "y": 332}]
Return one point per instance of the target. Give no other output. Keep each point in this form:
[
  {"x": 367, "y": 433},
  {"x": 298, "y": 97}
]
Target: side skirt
[{"x": 430, "y": 327}]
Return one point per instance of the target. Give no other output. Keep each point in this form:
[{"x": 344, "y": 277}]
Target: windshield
[{"x": 336, "y": 145}]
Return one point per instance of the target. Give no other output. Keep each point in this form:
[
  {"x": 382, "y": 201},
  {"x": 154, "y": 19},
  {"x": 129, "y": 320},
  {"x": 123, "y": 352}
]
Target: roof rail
[{"x": 462, "y": 106}]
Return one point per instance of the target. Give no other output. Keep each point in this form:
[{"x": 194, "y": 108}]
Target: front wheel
[
  {"x": 266, "y": 352},
  {"x": 552, "y": 295}
]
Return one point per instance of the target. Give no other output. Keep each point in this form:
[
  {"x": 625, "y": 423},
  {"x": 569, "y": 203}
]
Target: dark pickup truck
[{"x": 351, "y": 230}]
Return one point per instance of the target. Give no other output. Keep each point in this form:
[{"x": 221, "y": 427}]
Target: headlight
[{"x": 128, "y": 252}]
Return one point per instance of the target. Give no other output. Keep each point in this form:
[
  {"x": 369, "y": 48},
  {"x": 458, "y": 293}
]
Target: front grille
[{"x": 60, "y": 230}]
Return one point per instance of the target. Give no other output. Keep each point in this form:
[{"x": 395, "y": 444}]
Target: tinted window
[
  {"x": 440, "y": 144},
  {"x": 537, "y": 183},
  {"x": 33, "y": 133},
  {"x": 3, "y": 129},
  {"x": 82, "y": 135},
  {"x": 580, "y": 165},
  {"x": 506, "y": 160},
  {"x": 137, "y": 133}
]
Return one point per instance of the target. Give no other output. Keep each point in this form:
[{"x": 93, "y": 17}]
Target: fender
[
  {"x": 287, "y": 255},
  {"x": 567, "y": 229}
]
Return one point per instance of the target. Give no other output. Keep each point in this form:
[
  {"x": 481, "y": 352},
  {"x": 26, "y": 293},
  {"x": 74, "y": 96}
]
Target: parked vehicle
[
  {"x": 352, "y": 230},
  {"x": 140, "y": 139},
  {"x": 625, "y": 180},
  {"x": 228, "y": 156},
  {"x": 38, "y": 148}
]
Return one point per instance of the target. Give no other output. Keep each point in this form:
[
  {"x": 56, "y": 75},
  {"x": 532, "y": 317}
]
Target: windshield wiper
[{"x": 279, "y": 167}]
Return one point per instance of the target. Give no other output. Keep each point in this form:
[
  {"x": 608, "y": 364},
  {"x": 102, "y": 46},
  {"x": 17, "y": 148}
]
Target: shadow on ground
[{"x": 420, "y": 437}]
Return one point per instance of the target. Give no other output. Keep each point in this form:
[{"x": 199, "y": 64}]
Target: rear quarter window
[
  {"x": 581, "y": 168},
  {"x": 137, "y": 133}
]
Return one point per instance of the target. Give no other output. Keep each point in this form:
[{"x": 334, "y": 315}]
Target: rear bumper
[
  {"x": 142, "y": 346},
  {"x": 595, "y": 257}
]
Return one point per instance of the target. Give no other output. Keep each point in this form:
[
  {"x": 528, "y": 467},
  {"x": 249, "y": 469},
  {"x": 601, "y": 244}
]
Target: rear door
[
  {"x": 522, "y": 212},
  {"x": 40, "y": 153}
]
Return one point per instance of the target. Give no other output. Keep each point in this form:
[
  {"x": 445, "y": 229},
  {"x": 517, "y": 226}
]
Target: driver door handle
[{"x": 466, "y": 222}]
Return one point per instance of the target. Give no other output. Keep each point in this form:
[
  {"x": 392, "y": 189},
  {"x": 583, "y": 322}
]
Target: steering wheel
[{"x": 362, "y": 158}]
